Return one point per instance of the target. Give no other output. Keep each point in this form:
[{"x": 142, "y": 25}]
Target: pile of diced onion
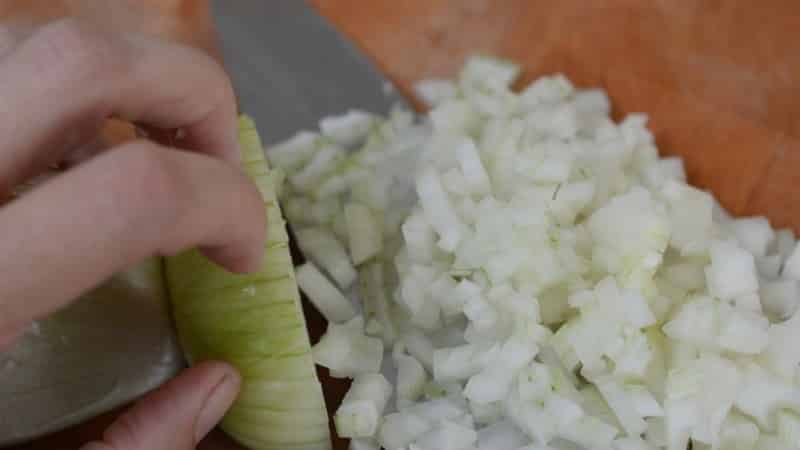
[{"x": 537, "y": 278}]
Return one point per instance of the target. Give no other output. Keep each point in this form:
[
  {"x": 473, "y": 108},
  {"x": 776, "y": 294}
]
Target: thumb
[{"x": 177, "y": 415}]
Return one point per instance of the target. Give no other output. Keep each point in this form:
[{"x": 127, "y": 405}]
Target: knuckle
[
  {"x": 217, "y": 87},
  {"x": 75, "y": 49},
  {"x": 148, "y": 181}
]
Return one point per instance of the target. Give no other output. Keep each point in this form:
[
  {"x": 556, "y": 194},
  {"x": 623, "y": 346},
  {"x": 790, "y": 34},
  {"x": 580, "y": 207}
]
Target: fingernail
[{"x": 217, "y": 404}]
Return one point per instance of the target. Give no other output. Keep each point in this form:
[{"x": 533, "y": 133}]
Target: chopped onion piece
[
  {"x": 347, "y": 129},
  {"x": 359, "y": 414},
  {"x": 345, "y": 350},
  {"x": 323, "y": 294},
  {"x": 325, "y": 250},
  {"x": 363, "y": 232}
]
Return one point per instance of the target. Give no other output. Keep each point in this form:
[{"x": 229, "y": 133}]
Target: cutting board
[{"x": 718, "y": 79}]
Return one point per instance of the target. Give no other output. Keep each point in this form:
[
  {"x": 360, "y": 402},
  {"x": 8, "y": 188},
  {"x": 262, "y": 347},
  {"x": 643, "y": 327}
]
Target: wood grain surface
[{"x": 719, "y": 79}]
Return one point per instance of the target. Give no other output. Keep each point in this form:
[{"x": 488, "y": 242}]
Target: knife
[
  {"x": 112, "y": 345},
  {"x": 290, "y": 68}
]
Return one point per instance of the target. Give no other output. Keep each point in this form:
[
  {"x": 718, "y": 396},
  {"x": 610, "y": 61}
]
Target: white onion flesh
[{"x": 545, "y": 279}]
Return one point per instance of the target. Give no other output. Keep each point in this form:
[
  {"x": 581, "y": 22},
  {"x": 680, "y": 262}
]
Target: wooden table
[{"x": 718, "y": 79}]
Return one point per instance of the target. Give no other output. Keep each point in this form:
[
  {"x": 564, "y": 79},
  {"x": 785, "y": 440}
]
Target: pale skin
[{"x": 58, "y": 84}]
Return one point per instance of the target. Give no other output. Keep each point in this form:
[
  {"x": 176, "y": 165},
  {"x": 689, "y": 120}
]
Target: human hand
[{"x": 58, "y": 85}]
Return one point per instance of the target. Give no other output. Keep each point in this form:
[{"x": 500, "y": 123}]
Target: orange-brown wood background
[{"x": 718, "y": 78}]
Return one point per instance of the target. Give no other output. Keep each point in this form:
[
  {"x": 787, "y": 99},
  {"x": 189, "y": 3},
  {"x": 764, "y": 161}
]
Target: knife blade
[
  {"x": 112, "y": 345},
  {"x": 290, "y": 67}
]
